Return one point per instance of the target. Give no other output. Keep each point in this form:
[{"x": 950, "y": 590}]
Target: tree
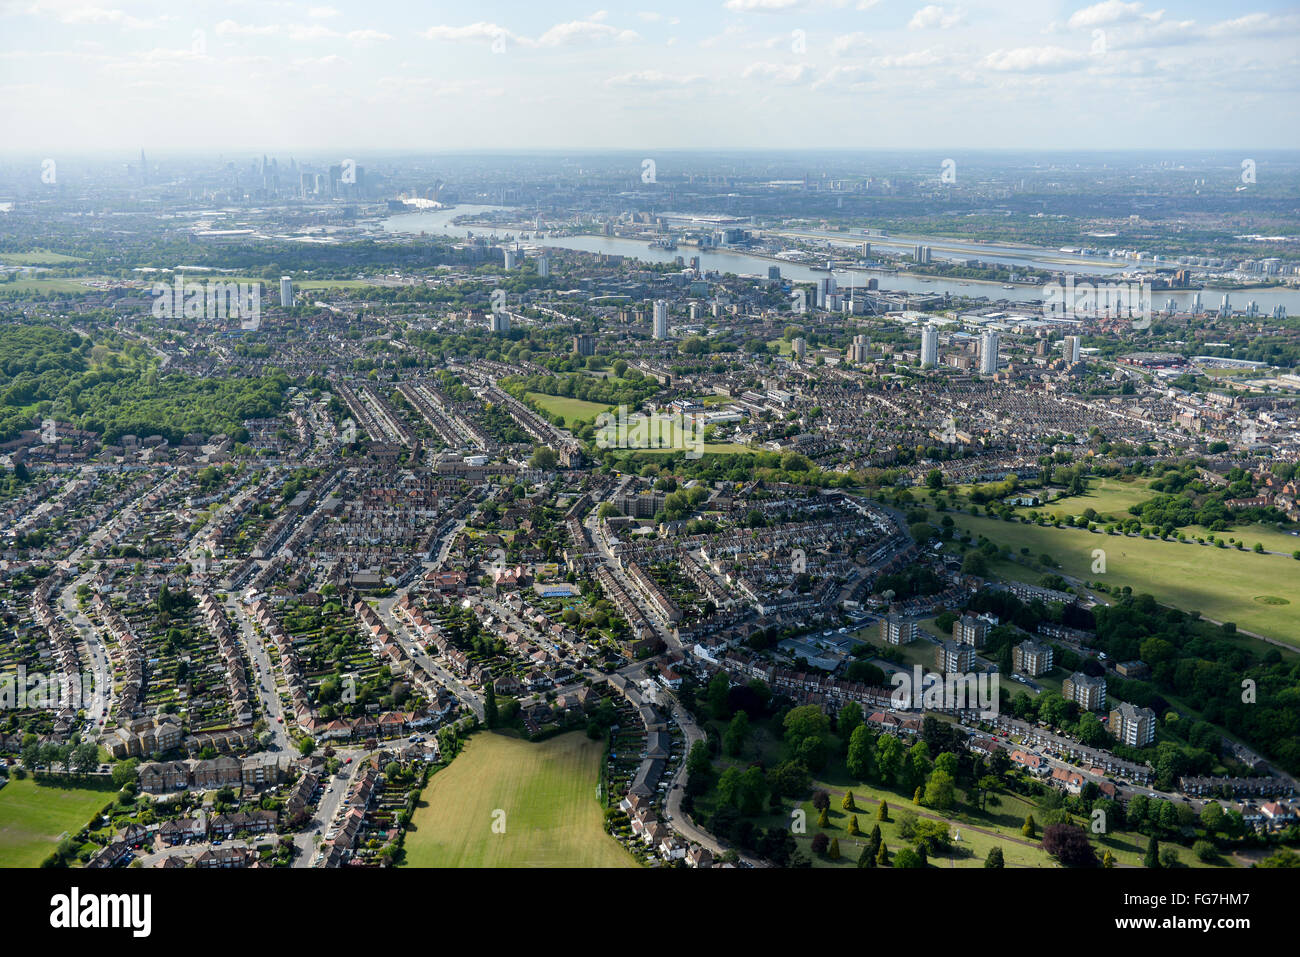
[
  {"x": 849, "y": 804},
  {"x": 889, "y": 759},
  {"x": 1108, "y": 859},
  {"x": 849, "y": 720},
  {"x": 882, "y": 813},
  {"x": 1069, "y": 844},
  {"x": 882, "y": 855},
  {"x": 1152, "y": 856},
  {"x": 854, "y": 830},
  {"x": 821, "y": 800},
  {"x": 1169, "y": 856},
  {"x": 717, "y": 696},
  {"x": 811, "y": 752},
  {"x": 868, "y": 857},
  {"x": 1205, "y": 852},
  {"x": 733, "y": 741},
  {"x": 544, "y": 458},
  {"x": 861, "y": 746},
  {"x": 753, "y": 791},
  {"x": 834, "y": 853},
  {"x": 931, "y": 837},
  {"x": 490, "y": 713},
  {"x": 697, "y": 762},
  {"x": 126, "y": 772},
  {"x": 1212, "y": 818},
  {"x": 873, "y": 845},
  {"x": 986, "y": 786},
  {"x": 806, "y": 721},
  {"x": 791, "y": 778},
  {"x": 84, "y": 758},
  {"x": 306, "y": 746},
  {"x": 994, "y": 858},
  {"x": 918, "y": 795},
  {"x": 940, "y": 790},
  {"x": 820, "y": 843},
  {"x": 729, "y": 787},
  {"x": 1285, "y": 857},
  {"x": 909, "y": 858},
  {"x": 1029, "y": 827},
  {"x": 823, "y": 819}
]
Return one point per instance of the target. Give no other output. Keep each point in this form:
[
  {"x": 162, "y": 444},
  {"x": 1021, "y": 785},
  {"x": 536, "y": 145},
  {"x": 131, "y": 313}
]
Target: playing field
[
  {"x": 547, "y": 792},
  {"x": 1222, "y": 583},
  {"x": 575, "y": 411},
  {"x": 39, "y": 257},
  {"x": 32, "y": 818},
  {"x": 1106, "y": 496}
]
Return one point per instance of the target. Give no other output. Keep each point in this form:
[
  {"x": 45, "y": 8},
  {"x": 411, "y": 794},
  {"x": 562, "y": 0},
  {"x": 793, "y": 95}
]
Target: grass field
[
  {"x": 32, "y": 817},
  {"x": 44, "y": 286},
  {"x": 547, "y": 791},
  {"x": 1222, "y": 583},
  {"x": 1107, "y": 496},
  {"x": 575, "y": 411},
  {"x": 39, "y": 257}
]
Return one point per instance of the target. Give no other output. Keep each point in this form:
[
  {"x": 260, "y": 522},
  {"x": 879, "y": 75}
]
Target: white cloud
[
  {"x": 915, "y": 60},
  {"x": 90, "y": 14},
  {"x": 934, "y": 16},
  {"x": 471, "y": 33},
  {"x": 583, "y": 31},
  {"x": 786, "y": 73},
  {"x": 299, "y": 32},
  {"x": 1110, "y": 11},
  {"x": 1254, "y": 25},
  {"x": 762, "y": 6},
  {"x": 785, "y": 6},
  {"x": 654, "y": 79},
  {"x": 1045, "y": 59},
  {"x": 851, "y": 76},
  {"x": 230, "y": 28},
  {"x": 849, "y": 43}
]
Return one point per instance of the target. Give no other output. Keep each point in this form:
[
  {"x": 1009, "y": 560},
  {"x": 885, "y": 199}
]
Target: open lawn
[
  {"x": 33, "y": 816},
  {"x": 547, "y": 791},
  {"x": 45, "y": 286},
  {"x": 38, "y": 257},
  {"x": 1106, "y": 496},
  {"x": 575, "y": 411},
  {"x": 1222, "y": 583}
]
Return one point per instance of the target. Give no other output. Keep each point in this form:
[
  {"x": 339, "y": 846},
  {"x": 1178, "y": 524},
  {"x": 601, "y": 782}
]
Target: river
[{"x": 438, "y": 223}]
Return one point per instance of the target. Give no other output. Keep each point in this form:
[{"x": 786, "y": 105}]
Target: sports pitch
[{"x": 547, "y": 792}]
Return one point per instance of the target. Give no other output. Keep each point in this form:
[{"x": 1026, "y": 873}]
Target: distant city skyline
[{"x": 91, "y": 75}]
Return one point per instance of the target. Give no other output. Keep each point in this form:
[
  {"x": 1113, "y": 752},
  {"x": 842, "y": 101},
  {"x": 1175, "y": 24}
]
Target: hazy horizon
[{"x": 84, "y": 77}]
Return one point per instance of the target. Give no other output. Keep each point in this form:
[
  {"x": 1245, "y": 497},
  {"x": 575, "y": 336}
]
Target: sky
[{"x": 276, "y": 75}]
